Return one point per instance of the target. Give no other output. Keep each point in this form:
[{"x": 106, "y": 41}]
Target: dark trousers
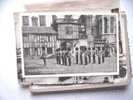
[
  {"x": 69, "y": 61},
  {"x": 59, "y": 59},
  {"x": 65, "y": 60},
  {"x": 62, "y": 58},
  {"x": 44, "y": 61},
  {"x": 103, "y": 59},
  {"x": 76, "y": 59},
  {"x": 56, "y": 59},
  {"x": 89, "y": 57},
  {"x": 86, "y": 60},
  {"x": 99, "y": 60},
  {"x": 81, "y": 59},
  {"x": 94, "y": 60}
]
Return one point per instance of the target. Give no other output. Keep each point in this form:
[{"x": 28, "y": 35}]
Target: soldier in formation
[
  {"x": 63, "y": 56},
  {"x": 88, "y": 55}
]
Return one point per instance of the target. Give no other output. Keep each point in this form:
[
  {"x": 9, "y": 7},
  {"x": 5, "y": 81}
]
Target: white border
[{"x": 69, "y": 13}]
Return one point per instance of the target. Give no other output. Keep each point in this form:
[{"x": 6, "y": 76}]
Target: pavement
[{"x": 36, "y": 67}]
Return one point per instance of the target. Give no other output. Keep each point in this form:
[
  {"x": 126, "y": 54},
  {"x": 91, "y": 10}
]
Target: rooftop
[{"x": 38, "y": 29}]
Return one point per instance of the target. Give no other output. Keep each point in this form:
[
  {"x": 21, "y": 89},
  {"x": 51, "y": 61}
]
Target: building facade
[
  {"x": 100, "y": 30},
  {"x": 37, "y": 37},
  {"x": 68, "y": 31},
  {"x": 86, "y": 31}
]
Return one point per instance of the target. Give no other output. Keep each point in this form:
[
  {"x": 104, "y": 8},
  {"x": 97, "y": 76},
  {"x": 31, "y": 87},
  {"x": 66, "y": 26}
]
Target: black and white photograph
[
  {"x": 69, "y": 44},
  {"x": 66, "y": 49}
]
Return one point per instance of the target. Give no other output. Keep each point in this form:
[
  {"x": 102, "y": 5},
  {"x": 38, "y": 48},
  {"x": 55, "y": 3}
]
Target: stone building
[
  {"x": 37, "y": 37},
  {"x": 100, "y": 30},
  {"x": 68, "y": 30},
  {"x": 85, "y": 31}
]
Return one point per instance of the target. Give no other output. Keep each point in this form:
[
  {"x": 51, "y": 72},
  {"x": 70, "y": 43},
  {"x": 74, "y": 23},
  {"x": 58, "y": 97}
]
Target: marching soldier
[
  {"x": 77, "y": 54},
  {"x": 99, "y": 59},
  {"x": 60, "y": 56},
  {"x": 94, "y": 58},
  {"x": 65, "y": 57},
  {"x": 102, "y": 58},
  {"x": 85, "y": 57},
  {"x": 69, "y": 57},
  {"x": 99, "y": 55},
  {"x": 57, "y": 56},
  {"x": 81, "y": 58},
  {"x": 89, "y": 55},
  {"x": 103, "y": 55}
]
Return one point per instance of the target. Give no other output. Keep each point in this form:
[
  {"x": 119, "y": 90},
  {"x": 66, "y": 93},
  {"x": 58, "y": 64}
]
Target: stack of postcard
[{"x": 72, "y": 45}]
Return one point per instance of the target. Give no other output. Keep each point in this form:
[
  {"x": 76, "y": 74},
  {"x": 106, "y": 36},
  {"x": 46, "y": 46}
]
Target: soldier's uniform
[
  {"x": 69, "y": 58},
  {"x": 89, "y": 55},
  {"x": 61, "y": 56},
  {"x": 94, "y": 58},
  {"x": 99, "y": 59},
  {"x": 65, "y": 57},
  {"x": 102, "y": 58},
  {"x": 81, "y": 58},
  {"x": 57, "y": 57},
  {"x": 103, "y": 55},
  {"x": 77, "y": 55},
  {"x": 85, "y": 57}
]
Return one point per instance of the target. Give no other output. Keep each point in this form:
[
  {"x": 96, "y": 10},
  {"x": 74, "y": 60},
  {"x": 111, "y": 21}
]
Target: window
[
  {"x": 105, "y": 24},
  {"x": 25, "y": 37},
  {"x": 34, "y": 21},
  {"x": 35, "y": 51},
  {"x": 69, "y": 30},
  {"x": 25, "y": 20},
  {"x": 49, "y": 50},
  {"x": 112, "y": 22},
  {"x": 26, "y": 51},
  {"x": 100, "y": 26},
  {"x": 42, "y": 20},
  {"x": 49, "y": 38},
  {"x": 35, "y": 38}
]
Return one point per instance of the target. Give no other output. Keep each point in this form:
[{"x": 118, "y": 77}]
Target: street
[{"x": 36, "y": 67}]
